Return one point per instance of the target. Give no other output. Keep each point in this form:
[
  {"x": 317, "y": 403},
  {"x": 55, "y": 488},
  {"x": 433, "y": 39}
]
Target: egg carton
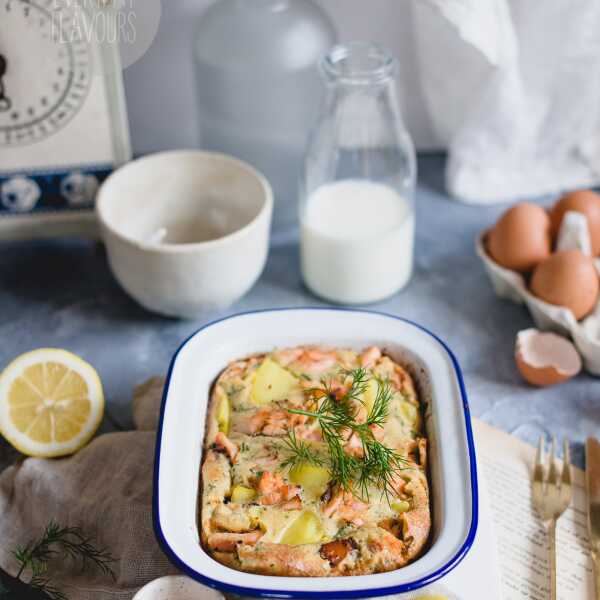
[{"x": 573, "y": 234}]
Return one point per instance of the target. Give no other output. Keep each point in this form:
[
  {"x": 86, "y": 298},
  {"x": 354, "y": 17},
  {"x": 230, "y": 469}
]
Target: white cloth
[{"x": 513, "y": 87}]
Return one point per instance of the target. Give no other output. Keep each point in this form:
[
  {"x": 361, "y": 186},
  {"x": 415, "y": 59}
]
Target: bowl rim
[
  {"x": 330, "y": 595},
  {"x": 265, "y": 209}
]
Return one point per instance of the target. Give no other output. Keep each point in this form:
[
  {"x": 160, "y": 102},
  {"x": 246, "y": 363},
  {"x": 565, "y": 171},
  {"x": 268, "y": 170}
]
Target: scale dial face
[{"x": 45, "y": 68}]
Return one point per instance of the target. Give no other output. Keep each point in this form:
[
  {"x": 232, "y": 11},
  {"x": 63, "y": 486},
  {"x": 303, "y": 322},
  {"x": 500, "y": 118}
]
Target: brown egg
[
  {"x": 569, "y": 279},
  {"x": 521, "y": 238},
  {"x": 546, "y": 358},
  {"x": 585, "y": 202}
]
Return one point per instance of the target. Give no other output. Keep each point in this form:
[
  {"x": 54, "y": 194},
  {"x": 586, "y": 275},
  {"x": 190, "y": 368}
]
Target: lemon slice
[{"x": 51, "y": 403}]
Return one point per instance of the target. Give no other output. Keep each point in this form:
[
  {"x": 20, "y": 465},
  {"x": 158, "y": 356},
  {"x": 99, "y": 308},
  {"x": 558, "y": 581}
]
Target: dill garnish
[
  {"x": 336, "y": 413},
  {"x": 299, "y": 452},
  {"x": 57, "y": 542}
]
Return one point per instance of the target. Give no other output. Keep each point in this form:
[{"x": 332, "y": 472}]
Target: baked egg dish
[{"x": 315, "y": 465}]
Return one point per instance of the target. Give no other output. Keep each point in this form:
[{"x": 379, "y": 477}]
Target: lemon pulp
[{"x": 51, "y": 402}]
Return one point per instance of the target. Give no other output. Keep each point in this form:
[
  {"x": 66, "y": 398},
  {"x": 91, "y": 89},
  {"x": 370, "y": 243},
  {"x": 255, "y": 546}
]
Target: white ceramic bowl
[
  {"x": 186, "y": 231},
  {"x": 176, "y": 587},
  {"x": 181, "y": 430}
]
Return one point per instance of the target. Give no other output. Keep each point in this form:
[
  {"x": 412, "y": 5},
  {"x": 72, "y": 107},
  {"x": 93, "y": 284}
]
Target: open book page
[
  {"x": 477, "y": 577},
  {"x": 505, "y": 462}
]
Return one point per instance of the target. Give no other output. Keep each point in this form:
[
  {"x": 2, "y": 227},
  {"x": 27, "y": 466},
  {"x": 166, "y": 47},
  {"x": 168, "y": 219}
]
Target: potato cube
[
  {"x": 242, "y": 494},
  {"x": 272, "y": 382},
  {"x": 409, "y": 413},
  {"x": 223, "y": 414},
  {"x": 306, "y": 529},
  {"x": 312, "y": 478},
  {"x": 400, "y": 506}
]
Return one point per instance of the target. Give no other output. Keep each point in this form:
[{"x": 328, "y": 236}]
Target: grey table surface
[{"x": 61, "y": 293}]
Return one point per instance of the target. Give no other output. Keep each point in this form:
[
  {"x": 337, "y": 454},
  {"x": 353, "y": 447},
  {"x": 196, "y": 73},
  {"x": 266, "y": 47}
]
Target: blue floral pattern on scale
[{"x": 30, "y": 193}]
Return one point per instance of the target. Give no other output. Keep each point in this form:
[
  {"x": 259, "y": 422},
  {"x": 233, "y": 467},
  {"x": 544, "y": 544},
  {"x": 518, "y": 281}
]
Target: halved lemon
[{"x": 51, "y": 403}]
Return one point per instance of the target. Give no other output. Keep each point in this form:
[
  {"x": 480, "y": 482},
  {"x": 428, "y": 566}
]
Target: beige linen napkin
[{"x": 106, "y": 489}]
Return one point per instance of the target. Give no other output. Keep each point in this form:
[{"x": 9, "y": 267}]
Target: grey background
[
  {"x": 61, "y": 293},
  {"x": 160, "y": 87}
]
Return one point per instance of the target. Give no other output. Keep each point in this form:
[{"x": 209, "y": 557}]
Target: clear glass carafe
[
  {"x": 258, "y": 87},
  {"x": 357, "y": 190}
]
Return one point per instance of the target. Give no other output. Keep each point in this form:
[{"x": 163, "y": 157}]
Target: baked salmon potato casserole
[{"x": 315, "y": 465}]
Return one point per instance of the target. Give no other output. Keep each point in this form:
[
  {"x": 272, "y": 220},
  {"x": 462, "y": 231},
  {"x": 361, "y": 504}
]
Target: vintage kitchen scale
[{"x": 63, "y": 122}]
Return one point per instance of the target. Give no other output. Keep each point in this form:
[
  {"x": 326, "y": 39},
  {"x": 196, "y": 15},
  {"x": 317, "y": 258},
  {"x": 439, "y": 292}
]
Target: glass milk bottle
[
  {"x": 357, "y": 191},
  {"x": 258, "y": 88}
]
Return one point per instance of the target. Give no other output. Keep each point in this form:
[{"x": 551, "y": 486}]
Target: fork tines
[{"x": 551, "y": 490}]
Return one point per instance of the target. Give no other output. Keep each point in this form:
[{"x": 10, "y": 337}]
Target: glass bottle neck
[
  {"x": 359, "y": 65},
  {"x": 362, "y": 102},
  {"x": 377, "y": 89},
  {"x": 269, "y": 5}
]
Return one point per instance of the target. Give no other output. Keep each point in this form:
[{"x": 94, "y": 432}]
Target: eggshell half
[{"x": 545, "y": 358}]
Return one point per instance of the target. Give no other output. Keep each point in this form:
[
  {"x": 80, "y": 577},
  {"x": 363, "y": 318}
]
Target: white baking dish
[{"x": 181, "y": 430}]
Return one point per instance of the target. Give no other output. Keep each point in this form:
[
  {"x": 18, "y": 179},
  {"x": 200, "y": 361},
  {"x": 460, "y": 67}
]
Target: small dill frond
[
  {"x": 56, "y": 541},
  {"x": 360, "y": 382},
  {"x": 299, "y": 452},
  {"x": 45, "y": 585},
  {"x": 379, "y": 412}
]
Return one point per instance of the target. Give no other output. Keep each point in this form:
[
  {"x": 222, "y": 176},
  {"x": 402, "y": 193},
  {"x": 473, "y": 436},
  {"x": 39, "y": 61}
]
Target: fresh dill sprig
[
  {"x": 337, "y": 416},
  {"x": 380, "y": 410},
  {"x": 45, "y": 584},
  {"x": 380, "y": 464},
  {"x": 359, "y": 385},
  {"x": 57, "y": 541},
  {"x": 299, "y": 452}
]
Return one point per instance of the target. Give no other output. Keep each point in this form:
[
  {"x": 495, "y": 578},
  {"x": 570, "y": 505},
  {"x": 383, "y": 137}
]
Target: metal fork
[{"x": 551, "y": 495}]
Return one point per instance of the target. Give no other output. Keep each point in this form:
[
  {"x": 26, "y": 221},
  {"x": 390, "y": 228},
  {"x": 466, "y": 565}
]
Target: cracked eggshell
[{"x": 545, "y": 359}]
